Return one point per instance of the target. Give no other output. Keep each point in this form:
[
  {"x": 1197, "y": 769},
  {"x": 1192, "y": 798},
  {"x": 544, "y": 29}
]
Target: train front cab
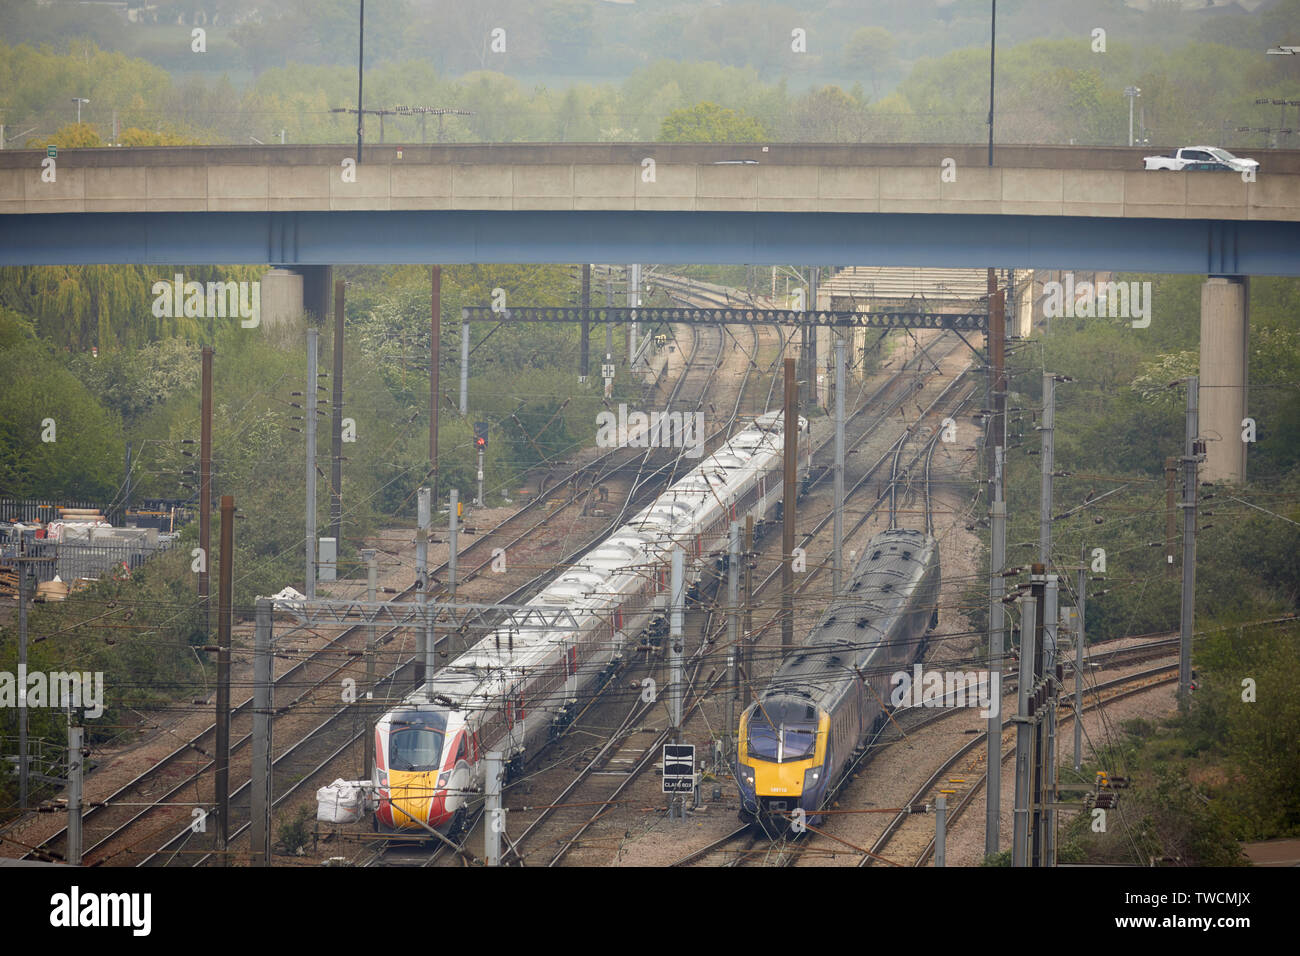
[
  {"x": 418, "y": 763},
  {"x": 781, "y": 764}
]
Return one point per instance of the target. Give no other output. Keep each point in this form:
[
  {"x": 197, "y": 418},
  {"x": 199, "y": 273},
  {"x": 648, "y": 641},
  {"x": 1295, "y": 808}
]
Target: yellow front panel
[
  {"x": 784, "y": 779},
  {"x": 410, "y": 793},
  {"x": 779, "y": 779}
]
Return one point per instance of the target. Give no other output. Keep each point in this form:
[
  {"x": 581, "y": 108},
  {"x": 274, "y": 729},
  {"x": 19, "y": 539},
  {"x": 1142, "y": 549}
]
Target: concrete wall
[{"x": 1046, "y": 181}]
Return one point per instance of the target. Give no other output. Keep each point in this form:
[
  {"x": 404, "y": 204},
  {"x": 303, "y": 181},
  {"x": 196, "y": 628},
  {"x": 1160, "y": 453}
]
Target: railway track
[
  {"x": 310, "y": 757},
  {"x": 892, "y": 401},
  {"x": 633, "y": 744},
  {"x": 743, "y": 846},
  {"x": 906, "y": 832},
  {"x": 908, "y": 838},
  {"x": 608, "y": 783},
  {"x": 124, "y": 811}
]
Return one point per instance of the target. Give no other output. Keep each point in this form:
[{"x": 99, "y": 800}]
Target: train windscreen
[
  {"x": 781, "y": 731},
  {"x": 414, "y": 749}
]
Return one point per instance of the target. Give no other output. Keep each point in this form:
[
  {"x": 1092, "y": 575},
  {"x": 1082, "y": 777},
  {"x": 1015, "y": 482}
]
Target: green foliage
[
  {"x": 83, "y": 459},
  {"x": 72, "y": 136},
  {"x": 827, "y": 115},
  {"x": 131, "y": 383},
  {"x": 109, "y": 307},
  {"x": 1116, "y": 424},
  {"x": 294, "y": 831},
  {"x": 1254, "y": 740},
  {"x": 870, "y": 51},
  {"x": 710, "y": 123},
  {"x": 140, "y": 633},
  {"x": 925, "y": 71}
]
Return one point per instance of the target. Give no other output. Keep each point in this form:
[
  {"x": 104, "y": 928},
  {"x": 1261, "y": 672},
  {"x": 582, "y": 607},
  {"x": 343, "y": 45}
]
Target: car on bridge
[{"x": 1201, "y": 158}]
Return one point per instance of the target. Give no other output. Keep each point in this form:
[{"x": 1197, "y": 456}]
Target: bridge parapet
[{"x": 1032, "y": 181}]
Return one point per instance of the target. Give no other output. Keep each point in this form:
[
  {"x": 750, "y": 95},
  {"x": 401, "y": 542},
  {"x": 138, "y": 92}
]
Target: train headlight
[
  {"x": 745, "y": 775},
  {"x": 811, "y": 778},
  {"x": 443, "y": 779}
]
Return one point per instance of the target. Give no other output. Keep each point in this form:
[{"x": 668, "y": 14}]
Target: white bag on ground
[{"x": 340, "y": 802}]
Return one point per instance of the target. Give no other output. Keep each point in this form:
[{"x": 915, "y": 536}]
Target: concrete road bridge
[{"x": 308, "y": 207}]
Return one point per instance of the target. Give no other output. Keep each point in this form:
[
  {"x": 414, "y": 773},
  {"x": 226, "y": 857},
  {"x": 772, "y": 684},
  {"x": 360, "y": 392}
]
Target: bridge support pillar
[
  {"x": 281, "y": 297},
  {"x": 317, "y": 290},
  {"x": 1224, "y": 338}
]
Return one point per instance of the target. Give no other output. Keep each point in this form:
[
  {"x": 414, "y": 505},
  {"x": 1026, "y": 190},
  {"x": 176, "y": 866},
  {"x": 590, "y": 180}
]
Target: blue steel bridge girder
[{"x": 1252, "y": 247}]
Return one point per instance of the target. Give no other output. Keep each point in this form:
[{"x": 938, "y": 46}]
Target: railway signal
[
  {"x": 607, "y": 373},
  {"x": 480, "y": 443}
]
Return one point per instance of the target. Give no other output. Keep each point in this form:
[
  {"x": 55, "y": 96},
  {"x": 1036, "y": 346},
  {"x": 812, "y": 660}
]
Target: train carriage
[
  {"x": 797, "y": 740},
  {"x": 515, "y": 689}
]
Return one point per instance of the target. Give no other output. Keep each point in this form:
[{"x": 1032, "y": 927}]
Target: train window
[
  {"x": 782, "y": 731},
  {"x": 800, "y": 742},
  {"x": 863, "y": 622},
  {"x": 462, "y": 752},
  {"x": 414, "y": 748}
]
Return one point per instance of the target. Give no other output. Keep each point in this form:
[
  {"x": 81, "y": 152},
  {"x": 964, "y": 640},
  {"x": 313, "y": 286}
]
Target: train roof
[
  {"x": 495, "y": 661},
  {"x": 847, "y": 640}
]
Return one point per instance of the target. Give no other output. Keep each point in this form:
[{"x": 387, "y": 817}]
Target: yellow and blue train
[{"x": 799, "y": 737}]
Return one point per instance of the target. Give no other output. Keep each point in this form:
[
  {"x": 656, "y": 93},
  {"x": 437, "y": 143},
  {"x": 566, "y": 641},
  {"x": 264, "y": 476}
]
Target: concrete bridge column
[
  {"x": 289, "y": 292},
  {"x": 1224, "y": 337},
  {"x": 317, "y": 291},
  {"x": 281, "y": 297}
]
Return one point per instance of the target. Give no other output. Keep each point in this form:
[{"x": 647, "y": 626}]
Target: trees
[
  {"x": 826, "y": 115},
  {"x": 84, "y": 135},
  {"x": 710, "y": 123},
  {"x": 71, "y": 136},
  {"x": 870, "y": 51},
  {"x": 55, "y": 438}
]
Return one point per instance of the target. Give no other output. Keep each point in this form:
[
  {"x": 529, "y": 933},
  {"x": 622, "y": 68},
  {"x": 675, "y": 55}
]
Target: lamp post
[
  {"x": 79, "y": 100},
  {"x": 1132, "y": 92},
  {"x": 361, "y": 56},
  {"x": 993, "y": 37}
]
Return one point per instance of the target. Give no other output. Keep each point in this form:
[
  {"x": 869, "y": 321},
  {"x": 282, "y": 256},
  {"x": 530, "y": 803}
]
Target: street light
[
  {"x": 993, "y": 42},
  {"x": 1284, "y": 51},
  {"x": 361, "y": 57},
  {"x": 79, "y": 100},
  {"x": 1132, "y": 92}
]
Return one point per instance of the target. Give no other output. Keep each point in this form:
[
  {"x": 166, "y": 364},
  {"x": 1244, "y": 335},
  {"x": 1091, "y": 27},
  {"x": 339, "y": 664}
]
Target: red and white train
[{"x": 514, "y": 690}]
